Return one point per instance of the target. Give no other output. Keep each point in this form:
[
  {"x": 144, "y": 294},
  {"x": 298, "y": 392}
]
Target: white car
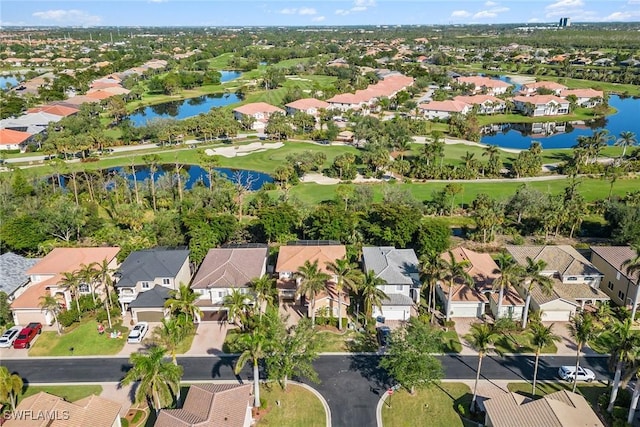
[
  {"x": 9, "y": 336},
  {"x": 138, "y": 332},
  {"x": 567, "y": 373}
]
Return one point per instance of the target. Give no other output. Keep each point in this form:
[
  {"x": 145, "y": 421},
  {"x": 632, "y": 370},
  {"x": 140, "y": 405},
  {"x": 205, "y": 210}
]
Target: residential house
[
  {"x": 366, "y": 99},
  {"x": 617, "y": 283},
  {"x": 46, "y": 279},
  {"x": 560, "y": 409},
  {"x": 211, "y": 405},
  {"x": 260, "y": 111},
  {"x": 13, "y": 270},
  {"x": 486, "y": 104},
  {"x": 485, "y": 85},
  {"x": 541, "y": 105},
  {"x": 400, "y": 272},
  {"x": 307, "y": 105},
  {"x": 145, "y": 270},
  {"x": 55, "y": 109},
  {"x": 48, "y": 410},
  {"x": 529, "y": 89},
  {"x": 224, "y": 270},
  {"x": 587, "y": 98},
  {"x": 443, "y": 109},
  {"x": 575, "y": 280},
  {"x": 481, "y": 297},
  {"x": 293, "y": 256},
  {"x": 14, "y": 139}
]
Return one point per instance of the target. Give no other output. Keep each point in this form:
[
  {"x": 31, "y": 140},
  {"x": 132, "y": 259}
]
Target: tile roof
[
  {"x": 58, "y": 110},
  {"x": 394, "y": 266},
  {"x": 148, "y": 264},
  {"x": 583, "y": 93},
  {"x": 230, "y": 267},
  {"x": 616, "y": 255},
  {"x": 210, "y": 405},
  {"x": 540, "y": 99},
  {"x": 292, "y": 257},
  {"x": 12, "y": 137},
  {"x": 480, "y": 81},
  {"x": 509, "y": 297},
  {"x": 563, "y": 259},
  {"x": 306, "y": 103},
  {"x": 448, "y": 106},
  {"x": 478, "y": 99},
  {"x": 544, "y": 84},
  {"x": 13, "y": 271},
  {"x": 30, "y": 298},
  {"x": 258, "y": 107},
  {"x": 61, "y": 260}
]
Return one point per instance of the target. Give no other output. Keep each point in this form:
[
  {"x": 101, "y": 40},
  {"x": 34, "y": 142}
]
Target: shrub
[
  {"x": 449, "y": 324},
  {"x": 68, "y": 317},
  {"x": 506, "y": 324},
  {"x": 87, "y": 304},
  {"x": 101, "y": 314}
]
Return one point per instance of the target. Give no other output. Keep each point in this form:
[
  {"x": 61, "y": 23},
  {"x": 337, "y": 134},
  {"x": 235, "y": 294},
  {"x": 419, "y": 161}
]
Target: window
[
  {"x": 222, "y": 294},
  {"x": 621, "y": 296},
  {"x": 399, "y": 287},
  {"x": 84, "y": 288},
  {"x": 145, "y": 285},
  {"x": 588, "y": 279},
  {"x": 610, "y": 285},
  {"x": 571, "y": 279},
  {"x": 166, "y": 281},
  {"x": 617, "y": 275}
]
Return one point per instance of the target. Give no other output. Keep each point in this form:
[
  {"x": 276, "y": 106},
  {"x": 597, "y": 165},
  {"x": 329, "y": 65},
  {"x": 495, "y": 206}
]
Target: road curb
[
  {"x": 379, "y": 408},
  {"x": 327, "y": 410}
]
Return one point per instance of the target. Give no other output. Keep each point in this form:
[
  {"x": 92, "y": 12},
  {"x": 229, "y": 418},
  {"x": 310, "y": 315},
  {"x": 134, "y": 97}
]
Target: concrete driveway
[{"x": 209, "y": 338}]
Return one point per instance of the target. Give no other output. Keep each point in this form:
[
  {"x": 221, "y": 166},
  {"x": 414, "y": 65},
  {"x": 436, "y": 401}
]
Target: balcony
[{"x": 126, "y": 296}]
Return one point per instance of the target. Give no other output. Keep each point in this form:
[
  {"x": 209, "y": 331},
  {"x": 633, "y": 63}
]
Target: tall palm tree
[
  {"x": 636, "y": 392},
  {"x": 183, "y": 300},
  {"x": 633, "y": 266},
  {"x": 312, "y": 282},
  {"x": 625, "y": 341},
  {"x": 71, "y": 283},
  {"x": 49, "y": 304},
  {"x": 159, "y": 380},
  {"x": 582, "y": 328},
  {"x": 627, "y": 139},
  {"x": 481, "y": 337},
  {"x": 265, "y": 291},
  {"x": 432, "y": 272},
  {"x": 455, "y": 271},
  {"x": 371, "y": 293},
  {"x": 541, "y": 336},
  {"x": 510, "y": 273},
  {"x": 254, "y": 347},
  {"x": 87, "y": 274},
  {"x": 238, "y": 307},
  {"x": 348, "y": 276},
  {"x": 10, "y": 387},
  {"x": 169, "y": 334},
  {"x": 104, "y": 277},
  {"x": 533, "y": 277}
]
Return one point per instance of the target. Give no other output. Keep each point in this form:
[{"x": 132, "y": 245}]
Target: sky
[{"x": 89, "y": 13}]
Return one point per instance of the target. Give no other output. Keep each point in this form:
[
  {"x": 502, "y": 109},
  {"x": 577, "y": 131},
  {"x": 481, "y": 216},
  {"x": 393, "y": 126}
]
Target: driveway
[{"x": 209, "y": 339}]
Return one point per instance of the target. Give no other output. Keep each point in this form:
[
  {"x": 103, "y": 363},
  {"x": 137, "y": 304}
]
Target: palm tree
[
  {"x": 312, "y": 281},
  {"x": 582, "y": 328},
  {"x": 432, "y": 271},
  {"x": 237, "y": 306},
  {"x": 625, "y": 341},
  {"x": 71, "y": 283},
  {"x": 87, "y": 275},
  {"x": 627, "y": 139},
  {"x": 542, "y": 336},
  {"x": 159, "y": 380},
  {"x": 254, "y": 345},
  {"x": 371, "y": 293},
  {"x": 453, "y": 271},
  {"x": 103, "y": 274},
  {"x": 183, "y": 300},
  {"x": 636, "y": 393},
  {"x": 348, "y": 276},
  {"x": 49, "y": 304},
  {"x": 510, "y": 273},
  {"x": 533, "y": 276},
  {"x": 169, "y": 334},
  {"x": 633, "y": 266},
  {"x": 10, "y": 386},
  {"x": 264, "y": 290},
  {"x": 482, "y": 335}
]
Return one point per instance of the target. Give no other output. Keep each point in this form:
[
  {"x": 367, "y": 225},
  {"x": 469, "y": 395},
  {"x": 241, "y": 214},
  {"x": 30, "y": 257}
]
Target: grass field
[
  {"x": 297, "y": 407},
  {"x": 70, "y": 393},
  {"x": 591, "y": 391}
]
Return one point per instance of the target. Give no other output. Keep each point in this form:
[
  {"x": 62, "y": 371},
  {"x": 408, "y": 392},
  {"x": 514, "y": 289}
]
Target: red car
[{"x": 27, "y": 335}]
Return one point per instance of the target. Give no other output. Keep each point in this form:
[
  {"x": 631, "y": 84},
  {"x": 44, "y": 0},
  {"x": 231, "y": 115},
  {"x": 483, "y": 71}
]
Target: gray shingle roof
[
  {"x": 148, "y": 264},
  {"x": 397, "y": 299},
  {"x": 153, "y": 298},
  {"x": 394, "y": 266},
  {"x": 13, "y": 271}
]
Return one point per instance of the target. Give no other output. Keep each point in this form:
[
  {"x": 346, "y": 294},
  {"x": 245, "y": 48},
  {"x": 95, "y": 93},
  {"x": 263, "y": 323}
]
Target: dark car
[
  {"x": 383, "y": 334},
  {"x": 26, "y": 335}
]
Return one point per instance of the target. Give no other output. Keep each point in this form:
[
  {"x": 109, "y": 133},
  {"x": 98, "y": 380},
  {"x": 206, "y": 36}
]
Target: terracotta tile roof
[
  {"x": 258, "y": 107},
  {"x": 210, "y": 405},
  {"x": 479, "y": 81},
  {"x": 583, "y": 93},
  {"x": 482, "y": 268},
  {"x": 544, "y": 84},
  {"x": 30, "y": 298},
  {"x": 448, "y": 106},
  {"x": 510, "y": 297},
  {"x": 331, "y": 293},
  {"x": 306, "y": 103},
  {"x": 111, "y": 90},
  {"x": 386, "y": 87},
  {"x": 99, "y": 94},
  {"x": 230, "y": 267},
  {"x": 58, "y": 110},
  {"x": 562, "y": 259},
  {"x": 540, "y": 99},
  {"x": 616, "y": 255},
  {"x": 11, "y": 137},
  {"x": 463, "y": 293},
  {"x": 478, "y": 99},
  {"x": 292, "y": 257},
  {"x": 62, "y": 260}
]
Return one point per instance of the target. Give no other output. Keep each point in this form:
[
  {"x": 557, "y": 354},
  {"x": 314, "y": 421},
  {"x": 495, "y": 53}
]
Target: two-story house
[
  {"x": 541, "y": 105},
  {"x": 575, "y": 280},
  {"x": 46, "y": 278},
  {"x": 617, "y": 283},
  {"x": 486, "y": 85},
  {"x": 158, "y": 270},
  {"x": 224, "y": 270},
  {"x": 306, "y": 105},
  {"x": 587, "y": 97},
  {"x": 400, "y": 272},
  {"x": 259, "y": 111}
]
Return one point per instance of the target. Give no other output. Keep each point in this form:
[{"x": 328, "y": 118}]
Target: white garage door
[
  {"x": 396, "y": 313},
  {"x": 556, "y": 316},
  {"x": 466, "y": 310}
]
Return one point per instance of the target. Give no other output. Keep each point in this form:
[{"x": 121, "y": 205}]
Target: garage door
[
  {"x": 396, "y": 314},
  {"x": 214, "y": 316},
  {"x": 556, "y": 316},
  {"x": 149, "y": 316},
  {"x": 466, "y": 310}
]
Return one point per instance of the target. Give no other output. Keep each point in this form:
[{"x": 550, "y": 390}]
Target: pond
[
  {"x": 227, "y": 76},
  {"x": 564, "y": 134},
  {"x": 7, "y": 82}
]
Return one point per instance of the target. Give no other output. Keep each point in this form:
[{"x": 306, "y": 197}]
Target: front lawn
[
  {"x": 70, "y": 393},
  {"x": 438, "y": 404},
  {"x": 591, "y": 392},
  {"x": 520, "y": 342},
  {"x": 348, "y": 341},
  {"x": 297, "y": 407},
  {"x": 451, "y": 342},
  {"x": 82, "y": 337}
]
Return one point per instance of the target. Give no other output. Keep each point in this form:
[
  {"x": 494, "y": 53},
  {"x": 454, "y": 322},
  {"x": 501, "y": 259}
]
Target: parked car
[
  {"x": 567, "y": 373},
  {"x": 27, "y": 335},
  {"x": 9, "y": 336},
  {"x": 383, "y": 334},
  {"x": 138, "y": 332}
]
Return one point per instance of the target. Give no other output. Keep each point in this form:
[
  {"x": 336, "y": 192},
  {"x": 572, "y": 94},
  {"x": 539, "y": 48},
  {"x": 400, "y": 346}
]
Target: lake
[
  {"x": 10, "y": 80},
  {"x": 564, "y": 134}
]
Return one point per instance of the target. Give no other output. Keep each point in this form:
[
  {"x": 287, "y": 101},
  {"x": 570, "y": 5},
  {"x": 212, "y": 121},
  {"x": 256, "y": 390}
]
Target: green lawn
[
  {"x": 591, "y": 391},
  {"x": 82, "y": 337},
  {"x": 70, "y": 393},
  {"x": 604, "y": 342},
  {"x": 518, "y": 342},
  {"x": 349, "y": 341},
  {"x": 451, "y": 342},
  {"x": 435, "y": 406},
  {"x": 298, "y": 407}
]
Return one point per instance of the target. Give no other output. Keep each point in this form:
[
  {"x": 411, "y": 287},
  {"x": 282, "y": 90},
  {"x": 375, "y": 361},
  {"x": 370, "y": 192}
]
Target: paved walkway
[{"x": 209, "y": 338}]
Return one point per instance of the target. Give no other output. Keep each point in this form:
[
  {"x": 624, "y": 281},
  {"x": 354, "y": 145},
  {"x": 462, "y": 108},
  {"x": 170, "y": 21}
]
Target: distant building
[{"x": 564, "y": 22}]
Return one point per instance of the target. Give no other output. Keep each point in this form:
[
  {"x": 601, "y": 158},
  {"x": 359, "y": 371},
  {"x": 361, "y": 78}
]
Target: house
[
  {"x": 576, "y": 281},
  {"x": 47, "y": 410},
  {"x": 14, "y": 272},
  {"x": 541, "y": 105},
  {"x": 45, "y": 278},
  {"x": 487, "y": 104},
  {"x": 366, "y": 99},
  {"x": 306, "y": 105},
  {"x": 293, "y": 256},
  {"x": 587, "y": 98},
  {"x": 14, "y": 139},
  {"x": 481, "y": 298},
  {"x": 560, "y": 409},
  {"x": 399, "y": 270},
  {"x": 620, "y": 286},
  {"x": 532, "y": 88},
  {"x": 55, "y": 109},
  {"x": 224, "y": 270},
  {"x": 443, "y": 109},
  {"x": 211, "y": 405},
  {"x": 485, "y": 84},
  {"x": 260, "y": 111},
  {"x": 142, "y": 271}
]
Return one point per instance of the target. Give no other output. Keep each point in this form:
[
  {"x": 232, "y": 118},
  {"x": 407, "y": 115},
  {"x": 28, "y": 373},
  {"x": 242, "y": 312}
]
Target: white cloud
[
  {"x": 358, "y": 6},
  {"x": 460, "y": 14},
  {"x": 358, "y": 9},
  {"x": 633, "y": 2},
  {"x": 68, "y": 17},
  {"x": 341, "y": 12},
  {"x": 565, "y": 8},
  {"x": 302, "y": 11},
  {"x": 484, "y": 14},
  {"x": 499, "y": 10},
  {"x": 490, "y": 3},
  {"x": 318, "y": 18},
  {"x": 622, "y": 16},
  {"x": 532, "y": 20},
  {"x": 563, "y": 4},
  {"x": 307, "y": 11},
  {"x": 365, "y": 3},
  {"x": 289, "y": 11}
]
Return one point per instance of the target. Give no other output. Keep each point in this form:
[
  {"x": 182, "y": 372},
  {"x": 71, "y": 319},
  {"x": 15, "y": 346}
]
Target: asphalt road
[{"x": 351, "y": 384}]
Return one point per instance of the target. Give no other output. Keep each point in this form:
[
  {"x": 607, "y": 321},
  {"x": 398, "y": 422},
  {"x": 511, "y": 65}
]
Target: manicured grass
[
  {"x": 82, "y": 337},
  {"x": 298, "y": 407},
  {"x": 451, "y": 342},
  {"x": 604, "y": 342},
  {"x": 348, "y": 341},
  {"x": 434, "y": 406},
  {"x": 520, "y": 342},
  {"x": 591, "y": 391},
  {"x": 185, "y": 344},
  {"x": 70, "y": 393},
  {"x": 230, "y": 341}
]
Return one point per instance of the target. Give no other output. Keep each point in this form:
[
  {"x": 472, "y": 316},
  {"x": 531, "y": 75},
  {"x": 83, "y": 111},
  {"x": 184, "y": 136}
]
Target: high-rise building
[{"x": 564, "y": 22}]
